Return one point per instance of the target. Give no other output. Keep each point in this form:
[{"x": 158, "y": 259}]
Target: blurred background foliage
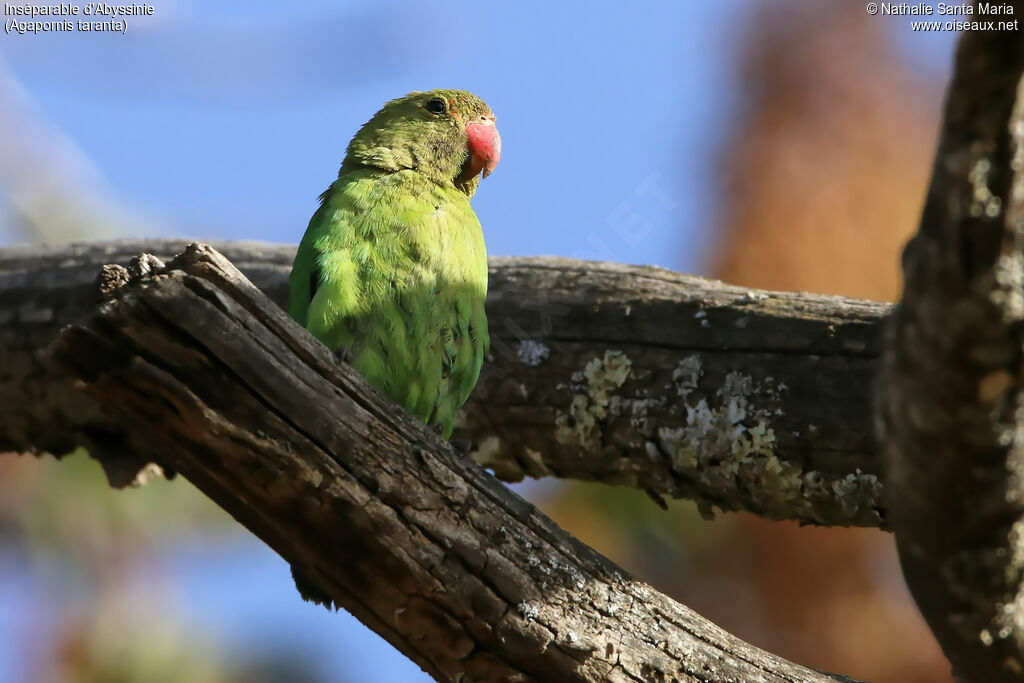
[{"x": 772, "y": 143}]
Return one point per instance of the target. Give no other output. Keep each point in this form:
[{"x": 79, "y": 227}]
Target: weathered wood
[
  {"x": 418, "y": 542},
  {"x": 638, "y": 376},
  {"x": 953, "y": 393}
]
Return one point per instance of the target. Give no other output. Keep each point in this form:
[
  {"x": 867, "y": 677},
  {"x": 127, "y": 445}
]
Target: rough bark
[
  {"x": 953, "y": 395},
  {"x": 638, "y": 376},
  {"x": 371, "y": 507}
]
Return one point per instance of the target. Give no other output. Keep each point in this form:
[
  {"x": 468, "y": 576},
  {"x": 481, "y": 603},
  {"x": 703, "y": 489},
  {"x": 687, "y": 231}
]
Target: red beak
[{"x": 484, "y": 145}]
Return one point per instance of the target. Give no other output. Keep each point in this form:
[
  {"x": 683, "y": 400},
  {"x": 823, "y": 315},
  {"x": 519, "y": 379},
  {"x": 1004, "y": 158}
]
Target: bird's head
[{"x": 448, "y": 135}]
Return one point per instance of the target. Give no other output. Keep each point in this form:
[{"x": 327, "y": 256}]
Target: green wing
[{"x": 393, "y": 268}]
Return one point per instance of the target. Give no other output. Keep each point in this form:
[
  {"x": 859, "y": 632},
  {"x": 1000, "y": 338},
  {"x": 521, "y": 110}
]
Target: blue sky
[
  {"x": 226, "y": 120},
  {"x": 213, "y": 121}
]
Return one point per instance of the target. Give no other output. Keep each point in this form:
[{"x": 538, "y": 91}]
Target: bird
[{"x": 391, "y": 273}]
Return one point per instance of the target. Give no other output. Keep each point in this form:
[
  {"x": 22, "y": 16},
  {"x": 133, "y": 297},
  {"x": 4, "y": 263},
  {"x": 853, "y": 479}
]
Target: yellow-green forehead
[{"x": 460, "y": 101}]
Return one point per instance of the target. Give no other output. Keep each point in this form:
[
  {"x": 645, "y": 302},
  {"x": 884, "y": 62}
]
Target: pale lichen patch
[
  {"x": 736, "y": 386},
  {"x": 775, "y": 483},
  {"x": 1011, "y": 617},
  {"x": 719, "y": 440},
  {"x": 637, "y": 410},
  {"x": 602, "y": 377},
  {"x": 528, "y": 610},
  {"x": 857, "y": 489},
  {"x": 578, "y": 426},
  {"x": 687, "y": 375},
  {"x": 727, "y": 442},
  {"x": 605, "y": 375},
  {"x": 984, "y": 202},
  {"x": 532, "y": 352},
  {"x": 1009, "y": 295}
]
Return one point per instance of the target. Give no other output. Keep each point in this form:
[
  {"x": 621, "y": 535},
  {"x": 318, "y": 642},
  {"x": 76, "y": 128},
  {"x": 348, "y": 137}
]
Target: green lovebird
[{"x": 392, "y": 270}]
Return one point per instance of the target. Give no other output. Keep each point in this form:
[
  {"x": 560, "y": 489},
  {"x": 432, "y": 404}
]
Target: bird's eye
[{"x": 437, "y": 106}]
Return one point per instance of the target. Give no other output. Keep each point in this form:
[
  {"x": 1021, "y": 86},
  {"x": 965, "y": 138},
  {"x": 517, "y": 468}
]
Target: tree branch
[
  {"x": 952, "y": 399},
  {"x": 637, "y": 376},
  {"x": 685, "y": 387},
  {"x": 423, "y": 546}
]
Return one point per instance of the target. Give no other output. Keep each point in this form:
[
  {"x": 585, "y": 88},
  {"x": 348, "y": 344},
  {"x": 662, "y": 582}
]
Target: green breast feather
[{"x": 393, "y": 269}]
